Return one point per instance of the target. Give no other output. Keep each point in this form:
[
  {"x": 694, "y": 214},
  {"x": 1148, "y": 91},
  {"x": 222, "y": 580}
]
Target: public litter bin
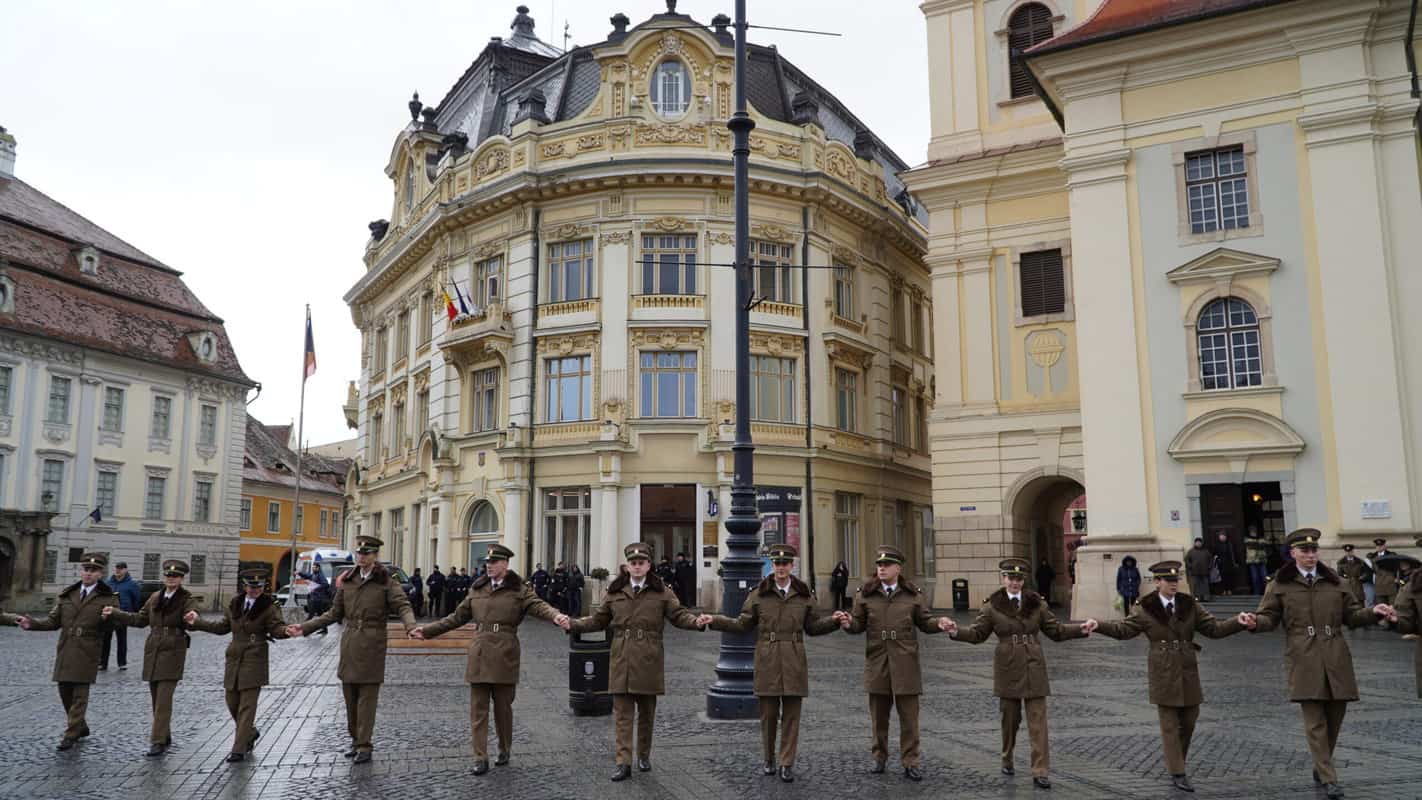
[
  {"x": 589, "y": 664},
  {"x": 960, "y": 594}
]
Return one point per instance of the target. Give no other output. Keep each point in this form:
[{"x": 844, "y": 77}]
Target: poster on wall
[{"x": 779, "y": 508}]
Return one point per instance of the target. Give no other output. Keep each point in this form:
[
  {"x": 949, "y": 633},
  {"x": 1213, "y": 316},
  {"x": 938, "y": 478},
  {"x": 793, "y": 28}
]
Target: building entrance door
[
  {"x": 1227, "y": 512},
  {"x": 669, "y": 522}
]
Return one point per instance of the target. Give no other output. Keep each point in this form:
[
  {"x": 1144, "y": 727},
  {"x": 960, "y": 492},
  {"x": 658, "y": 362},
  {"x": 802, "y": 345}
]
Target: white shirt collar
[
  {"x": 365, "y": 574},
  {"x": 1017, "y": 597},
  {"x": 167, "y": 595},
  {"x": 891, "y": 587},
  {"x": 783, "y": 588},
  {"x": 636, "y": 584}
]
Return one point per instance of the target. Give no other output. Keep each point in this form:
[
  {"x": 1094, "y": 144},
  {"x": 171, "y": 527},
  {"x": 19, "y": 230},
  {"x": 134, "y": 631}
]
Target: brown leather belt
[
  {"x": 894, "y": 634},
  {"x": 638, "y": 633},
  {"x": 772, "y": 636},
  {"x": 495, "y": 627}
]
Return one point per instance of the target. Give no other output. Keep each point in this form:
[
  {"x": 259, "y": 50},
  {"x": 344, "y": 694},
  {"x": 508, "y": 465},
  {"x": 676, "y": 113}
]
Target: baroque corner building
[
  {"x": 1174, "y": 241},
  {"x": 122, "y": 407},
  {"x": 577, "y": 209}
]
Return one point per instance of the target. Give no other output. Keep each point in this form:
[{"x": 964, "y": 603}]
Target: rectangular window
[
  {"x": 106, "y": 493},
  {"x": 920, "y": 428},
  {"x": 772, "y": 389},
  {"x": 569, "y": 389},
  {"x": 51, "y": 485},
  {"x": 402, "y": 337},
  {"x": 669, "y": 264},
  {"x": 113, "y": 409},
  {"x": 1217, "y": 190},
  {"x": 7, "y": 374},
  {"x": 422, "y": 412},
  {"x": 485, "y": 413},
  {"x": 567, "y": 526},
  {"x": 669, "y": 384},
  {"x": 844, "y": 292},
  {"x": 58, "y": 409},
  {"x": 1042, "y": 283},
  {"x": 570, "y": 271},
  {"x": 846, "y": 392},
  {"x": 898, "y": 397},
  {"x": 774, "y": 280},
  {"x": 152, "y": 566},
  {"x": 207, "y": 426},
  {"x": 382, "y": 348},
  {"x": 325, "y": 518},
  {"x": 919, "y": 345},
  {"x": 246, "y": 521},
  {"x": 273, "y": 517},
  {"x": 846, "y": 529},
  {"x": 202, "y": 501},
  {"x": 377, "y": 441},
  {"x": 162, "y": 425},
  {"x": 300, "y": 520},
  {"x": 51, "y": 566},
  {"x": 375, "y": 524},
  {"x": 197, "y": 569},
  {"x": 397, "y": 429},
  {"x": 426, "y": 321},
  {"x": 487, "y": 275},
  {"x": 335, "y": 523}
]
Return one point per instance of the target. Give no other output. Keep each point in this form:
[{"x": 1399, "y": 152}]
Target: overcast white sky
[{"x": 244, "y": 143}]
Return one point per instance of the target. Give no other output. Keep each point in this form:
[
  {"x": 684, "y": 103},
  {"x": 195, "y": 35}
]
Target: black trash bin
[
  {"x": 960, "y": 594},
  {"x": 589, "y": 664}
]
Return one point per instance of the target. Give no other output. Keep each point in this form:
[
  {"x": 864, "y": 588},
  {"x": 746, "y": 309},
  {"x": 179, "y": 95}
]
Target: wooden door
[{"x": 1222, "y": 511}]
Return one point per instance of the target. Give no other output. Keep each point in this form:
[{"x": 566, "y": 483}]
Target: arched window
[
  {"x": 1029, "y": 25},
  {"x": 409, "y": 188},
  {"x": 671, "y": 88},
  {"x": 483, "y": 519},
  {"x": 1228, "y": 336}
]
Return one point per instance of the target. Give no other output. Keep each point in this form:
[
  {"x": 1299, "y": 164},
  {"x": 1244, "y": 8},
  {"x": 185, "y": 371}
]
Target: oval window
[{"x": 671, "y": 89}]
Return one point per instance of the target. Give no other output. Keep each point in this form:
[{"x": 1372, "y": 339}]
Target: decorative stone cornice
[
  {"x": 222, "y": 389},
  {"x": 667, "y": 338},
  {"x": 37, "y": 348}
]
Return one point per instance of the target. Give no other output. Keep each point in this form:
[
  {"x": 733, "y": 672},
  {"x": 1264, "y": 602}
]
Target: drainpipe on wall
[
  {"x": 809, "y": 496},
  {"x": 532, "y": 499}
]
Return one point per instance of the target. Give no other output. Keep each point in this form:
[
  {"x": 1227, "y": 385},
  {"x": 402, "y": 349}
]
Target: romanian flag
[
  {"x": 310, "y": 368},
  {"x": 449, "y": 306}
]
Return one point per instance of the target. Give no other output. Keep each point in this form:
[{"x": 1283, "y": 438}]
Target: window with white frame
[
  {"x": 426, "y": 320},
  {"x": 570, "y": 271},
  {"x": 197, "y": 569},
  {"x": 844, "y": 291},
  {"x": 7, "y": 374},
  {"x": 487, "y": 276},
  {"x": 397, "y": 429},
  {"x": 382, "y": 349},
  {"x": 106, "y": 492},
  {"x": 485, "y": 412},
  {"x": 567, "y": 526},
  {"x": 377, "y": 433},
  {"x": 898, "y": 325},
  {"x": 422, "y": 412},
  {"x": 669, "y": 384},
  {"x": 300, "y": 520},
  {"x": 898, "y": 403},
  {"x": 919, "y": 344},
  {"x": 1228, "y": 335},
  {"x": 375, "y": 524},
  {"x": 569, "y": 388},
  {"x": 846, "y": 398},
  {"x": 920, "y": 424},
  {"x": 51, "y": 484},
  {"x": 1217, "y": 189},
  {"x": 161, "y": 426},
  {"x": 273, "y": 517},
  {"x": 402, "y": 336},
  {"x": 207, "y": 425},
  {"x": 671, "y": 88},
  {"x": 202, "y": 500},
  {"x": 772, "y": 389},
  {"x": 113, "y": 410},
  {"x": 325, "y": 520},
  {"x": 846, "y": 529},
  {"x": 57, "y": 410},
  {"x": 669, "y": 264},
  {"x": 245, "y": 520},
  {"x": 774, "y": 278}
]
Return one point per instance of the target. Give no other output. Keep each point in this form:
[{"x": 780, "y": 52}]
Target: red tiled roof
[
  {"x": 270, "y": 461},
  {"x": 134, "y": 306},
  {"x": 1116, "y": 18}
]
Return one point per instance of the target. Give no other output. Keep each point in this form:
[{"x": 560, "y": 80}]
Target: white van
[{"x": 332, "y": 561}]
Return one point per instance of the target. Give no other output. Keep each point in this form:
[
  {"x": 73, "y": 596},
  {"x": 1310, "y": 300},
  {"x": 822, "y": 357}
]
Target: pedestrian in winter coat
[
  {"x": 130, "y": 596},
  {"x": 434, "y": 585},
  {"x": 497, "y": 604},
  {"x": 1170, "y": 621},
  {"x": 1197, "y": 566},
  {"x": 558, "y": 588},
  {"x": 1045, "y": 577},
  {"x": 165, "y": 653},
  {"x": 78, "y": 614},
  {"x": 782, "y": 610},
  {"x": 637, "y": 607},
  {"x": 1309, "y": 601},
  {"x": 1016, "y": 616},
  {"x": 1256, "y": 557},
  {"x": 417, "y": 593},
  {"x": 1226, "y": 565},
  {"x": 1384, "y": 579},
  {"x": 318, "y": 600},
  {"x": 575, "y": 592},
  {"x": 540, "y": 579},
  {"x": 891, "y": 612},
  {"x": 1128, "y": 583},
  {"x": 684, "y": 574},
  {"x": 839, "y": 585},
  {"x": 253, "y": 619}
]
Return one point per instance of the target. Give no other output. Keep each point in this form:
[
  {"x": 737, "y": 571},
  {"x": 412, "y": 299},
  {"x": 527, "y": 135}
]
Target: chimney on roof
[
  {"x": 7, "y": 153},
  {"x": 721, "y": 25},
  {"x": 533, "y": 107},
  {"x": 619, "y": 27},
  {"x": 523, "y": 23},
  {"x": 864, "y": 144},
  {"x": 805, "y": 109}
]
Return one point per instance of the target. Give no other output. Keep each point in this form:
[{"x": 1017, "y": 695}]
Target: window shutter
[
  {"x": 1043, "y": 287},
  {"x": 1030, "y": 25}
]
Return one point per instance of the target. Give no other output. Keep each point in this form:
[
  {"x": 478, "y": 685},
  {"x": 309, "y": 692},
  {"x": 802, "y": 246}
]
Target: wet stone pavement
[{"x": 1104, "y": 734}]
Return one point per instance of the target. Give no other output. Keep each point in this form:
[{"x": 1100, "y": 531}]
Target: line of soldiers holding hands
[{"x": 1309, "y": 601}]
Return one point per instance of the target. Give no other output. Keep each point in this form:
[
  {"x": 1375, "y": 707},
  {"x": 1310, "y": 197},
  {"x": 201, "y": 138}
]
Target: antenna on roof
[{"x": 566, "y": 27}]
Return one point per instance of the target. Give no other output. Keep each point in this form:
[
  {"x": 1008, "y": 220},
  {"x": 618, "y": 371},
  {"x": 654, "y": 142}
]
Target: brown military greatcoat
[
  {"x": 1316, "y": 656},
  {"x": 81, "y": 627},
  {"x": 166, "y": 651},
  {"x": 1409, "y": 619},
  {"x": 251, "y": 630},
  {"x": 362, "y": 607},
  {"x": 1355, "y": 572},
  {"x": 891, "y": 626},
  {"x": 781, "y": 624},
  {"x": 494, "y": 651},
  {"x": 1019, "y": 668},
  {"x": 636, "y": 621},
  {"x": 1171, "y": 661}
]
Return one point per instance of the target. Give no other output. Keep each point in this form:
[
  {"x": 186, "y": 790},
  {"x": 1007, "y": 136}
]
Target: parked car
[{"x": 283, "y": 596}]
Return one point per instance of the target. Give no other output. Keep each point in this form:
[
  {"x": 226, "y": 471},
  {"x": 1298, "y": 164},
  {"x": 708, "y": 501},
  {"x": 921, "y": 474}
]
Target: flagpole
[{"x": 300, "y": 432}]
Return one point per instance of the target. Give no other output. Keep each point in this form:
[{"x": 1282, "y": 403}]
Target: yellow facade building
[{"x": 268, "y": 514}]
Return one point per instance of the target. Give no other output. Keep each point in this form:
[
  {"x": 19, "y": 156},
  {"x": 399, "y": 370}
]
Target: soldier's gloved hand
[{"x": 190, "y": 617}]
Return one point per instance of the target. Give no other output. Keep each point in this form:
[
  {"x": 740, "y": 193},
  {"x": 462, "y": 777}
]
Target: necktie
[
  {"x": 784, "y": 593},
  {"x": 249, "y": 606},
  {"x": 1169, "y": 609},
  {"x": 1016, "y": 602},
  {"x": 1308, "y": 579},
  {"x": 889, "y": 592},
  {"x": 84, "y": 595},
  {"x": 637, "y": 589},
  {"x": 496, "y": 586}
]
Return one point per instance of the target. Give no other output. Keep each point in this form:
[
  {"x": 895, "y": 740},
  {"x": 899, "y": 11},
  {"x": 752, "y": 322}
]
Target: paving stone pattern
[{"x": 1103, "y": 732}]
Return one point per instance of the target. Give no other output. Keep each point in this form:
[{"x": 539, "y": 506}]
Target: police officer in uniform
[
  {"x": 497, "y": 603},
  {"x": 367, "y": 595},
  {"x": 637, "y": 607},
  {"x": 891, "y": 611},
  {"x": 165, "y": 653},
  {"x": 1170, "y": 619},
  {"x": 1309, "y": 601},
  {"x": 1355, "y": 572},
  {"x": 782, "y": 609},
  {"x": 253, "y": 619},
  {"x": 1016, "y": 615},
  {"x": 78, "y": 615}
]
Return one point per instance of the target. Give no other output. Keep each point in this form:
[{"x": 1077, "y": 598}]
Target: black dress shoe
[
  {"x": 1333, "y": 790},
  {"x": 622, "y": 773},
  {"x": 84, "y": 732},
  {"x": 1042, "y": 783},
  {"x": 501, "y": 759},
  {"x": 1182, "y": 782},
  {"x": 1009, "y": 770},
  {"x": 913, "y": 773},
  {"x": 877, "y": 768},
  {"x": 363, "y": 757},
  {"x": 769, "y": 768},
  {"x": 156, "y": 749},
  {"x": 1316, "y": 780},
  {"x": 65, "y": 743},
  {"x": 232, "y": 758},
  {"x": 644, "y": 765},
  {"x": 787, "y": 775},
  {"x": 481, "y": 766},
  {"x": 350, "y": 752}
]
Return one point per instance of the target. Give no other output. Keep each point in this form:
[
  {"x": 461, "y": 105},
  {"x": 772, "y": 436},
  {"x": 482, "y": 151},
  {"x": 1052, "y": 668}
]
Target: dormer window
[
  {"x": 89, "y": 261},
  {"x": 7, "y": 292},
  {"x": 671, "y": 89},
  {"x": 204, "y": 345}
]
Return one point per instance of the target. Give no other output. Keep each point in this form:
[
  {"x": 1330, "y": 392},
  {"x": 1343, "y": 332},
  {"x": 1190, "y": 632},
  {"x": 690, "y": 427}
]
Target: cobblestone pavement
[{"x": 1103, "y": 732}]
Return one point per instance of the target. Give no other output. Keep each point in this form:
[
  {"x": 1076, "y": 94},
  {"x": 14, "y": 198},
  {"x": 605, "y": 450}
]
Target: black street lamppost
[{"x": 731, "y": 696}]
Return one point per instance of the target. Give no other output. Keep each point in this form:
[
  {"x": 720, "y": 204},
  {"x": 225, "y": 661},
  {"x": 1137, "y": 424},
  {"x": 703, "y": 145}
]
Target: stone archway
[{"x": 1034, "y": 507}]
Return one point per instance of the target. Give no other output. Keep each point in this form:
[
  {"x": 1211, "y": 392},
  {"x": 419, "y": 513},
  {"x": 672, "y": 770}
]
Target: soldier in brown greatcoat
[
  {"x": 253, "y": 619},
  {"x": 78, "y": 615},
  {"x": 1019, "y": 669},
  {"x": 367, "y": 595},
  {"x": 1311, "y": 603},
  {"x": 1384, "y": 579},
  {"x": 636, "y": 608},
  {"x": 891, "y": 611},
  {"x": 497, "y": 603},
  {"x": 1170, "y": 620},
  {"x": 165, "y": 653},
  {"x": 782, "y": 609},
  {"x": 1355, "y": 572},
  {"x": 1408, "y": 612}
]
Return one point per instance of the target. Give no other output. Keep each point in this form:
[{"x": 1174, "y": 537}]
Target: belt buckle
[
  {"x": 1328, "y": 631},
  {"x": 495, "y": 627},
  {"x": 894, "y": 635},
  {"x": 1311, "y": 631},
  {"x": 772, "y": 636},
  {"x": 639, "y": 633}
]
